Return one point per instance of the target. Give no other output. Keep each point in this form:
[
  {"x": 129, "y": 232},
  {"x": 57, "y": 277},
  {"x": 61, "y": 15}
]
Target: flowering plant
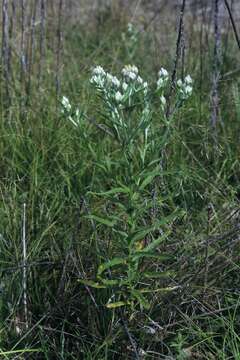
[{"x": 128, "y": 108}]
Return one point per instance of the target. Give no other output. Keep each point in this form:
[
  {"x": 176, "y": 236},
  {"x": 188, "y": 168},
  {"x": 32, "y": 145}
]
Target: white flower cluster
[
  {"x": 131, "y": 78},
  {"x": 98, "y": 77},
  {"x": 112, "y": 87},
  {"x": 185, "y": 87},
  {"x": 163, "y": 78},
  {"x": 130, "y": 72},
  {"x": 123, "y": 91}
]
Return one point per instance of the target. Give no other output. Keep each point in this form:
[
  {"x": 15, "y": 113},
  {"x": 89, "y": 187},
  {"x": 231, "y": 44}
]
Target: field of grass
[{"x": 119, "y": 213}]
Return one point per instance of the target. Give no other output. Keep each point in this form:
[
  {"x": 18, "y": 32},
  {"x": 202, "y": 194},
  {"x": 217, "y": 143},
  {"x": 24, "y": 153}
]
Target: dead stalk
[
  {"x": 31, "y": 45},
  {"x": 177, "y": 57},
  {"x": 230, "y": 13},
  {"x": 24, "y": 279},
  {"x": 5, "y": 46},
  {"x": 215, "y": 115},
  {"x": 42, "y": 38},
  {"x": 59, "y": 46}
]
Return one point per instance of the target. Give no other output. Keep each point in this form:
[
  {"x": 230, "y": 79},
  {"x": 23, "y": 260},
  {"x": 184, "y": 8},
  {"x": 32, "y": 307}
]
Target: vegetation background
[{"x": 55, "y": 229}]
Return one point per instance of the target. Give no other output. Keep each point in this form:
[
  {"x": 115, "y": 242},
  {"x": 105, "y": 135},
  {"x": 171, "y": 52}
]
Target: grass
[{"x": 78, "y": 218}]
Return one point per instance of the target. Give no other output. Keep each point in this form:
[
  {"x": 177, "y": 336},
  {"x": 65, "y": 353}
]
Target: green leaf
[
  {"x": 91, "y": 283},
  {"x": 101, "y": 220},
  {"x": 141, "y": 254},
  {"x": 140, "y": 234},
  {"x": 118, "y": 190},
  {"x": 141, "y": 299},
  {"x": 157, "y": 275},
  {"x": 155, "y": 243},
  {"x": 117, "y": 304},
  {"x": 167, "y": 289},
  {"x": 149, "y": 178},
  {"x": 109, "y": 264},
  {"x": 109, "y": 282}
]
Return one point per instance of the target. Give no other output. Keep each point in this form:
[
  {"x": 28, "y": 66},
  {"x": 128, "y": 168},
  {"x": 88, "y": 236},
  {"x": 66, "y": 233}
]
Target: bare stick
[
  {"x": 22, "y": 57},
  {"x": 216, "y": 69},
  {"x": 232, "y": 22},
  {"x": 42, "y": 35},
  {"x": 11, "y": 30},
  {"x": 5, "y": 45},
  {"x": 177, "y": 56},
  {"x": 24, "y": 283},
  {"x": 59, "y": 45},
  {"x": 31, "y": 45}
]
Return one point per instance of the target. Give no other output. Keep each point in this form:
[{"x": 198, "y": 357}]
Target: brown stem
[
  {"x": 232, "y": 22},
  {"x": 177, "y": 56}
]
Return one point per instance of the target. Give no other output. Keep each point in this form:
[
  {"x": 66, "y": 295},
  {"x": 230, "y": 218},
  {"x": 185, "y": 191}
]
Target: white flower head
[
  {"x": 112, "y": 80},
  {"x": 130, "y": 72},
  {"x": 134, "y": 69},
  {"x": 124, "y": 86},
  {"x": 115, "y": 82},
  {"x": 109, "y": 77},
  {"x": 179, "y": 83},
  {"x": 132, "y": 76},
  {"x": 188, "y": 80},
  {"x": 160, "y": 83},
  {"x": 163, "y": 73},
  {"x": 163, "y": 100},
  {"x": 139, "y": 80},
  {"x": 66, "y": 103},
  {"x": 118, "y": 96},
  {"x": 97, "y": 80},
  {"x": 98, "y": 70},
  {"x": 188, "y": 90}
]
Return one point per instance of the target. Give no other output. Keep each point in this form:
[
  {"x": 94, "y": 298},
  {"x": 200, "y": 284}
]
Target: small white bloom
[
  {"x": 115, "y": 81},
  {"x": 163, "y": 73},
  {"x": 109, "y": 77},
  {"x": 98, "y": 81},
  {"x": 124, "y": 86},
  {"x": 132, "y": 75},
  {"x": 163, "y": 100},
  {"x": 188, "y": 80},
  {"x": 179, "y": 83},
  {"x": 134, "y": 69},
  {"x": 118, "y": 96},
  {"x": 188, "y": 90},
  {"x": 129, "y": 70},
  {"x": 145, "y": 85},
  {"x": 139, "y": 80},
  {"x": 66, "y": 104},
  {"x": 98, "y": 70},
  {"x": 160, "y": 83}
]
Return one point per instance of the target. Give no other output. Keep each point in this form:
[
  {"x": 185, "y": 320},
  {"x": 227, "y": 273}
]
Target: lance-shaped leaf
[
  {"x": 91, "y": 283},
  {"x": 102, "y": 221},
  {"x": 109, "y": 264},
  {"x": 141, "y": 299}
]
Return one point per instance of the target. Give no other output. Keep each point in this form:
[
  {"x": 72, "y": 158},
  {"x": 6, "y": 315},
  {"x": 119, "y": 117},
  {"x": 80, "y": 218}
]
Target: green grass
[{"x": 59, "y": 172}]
